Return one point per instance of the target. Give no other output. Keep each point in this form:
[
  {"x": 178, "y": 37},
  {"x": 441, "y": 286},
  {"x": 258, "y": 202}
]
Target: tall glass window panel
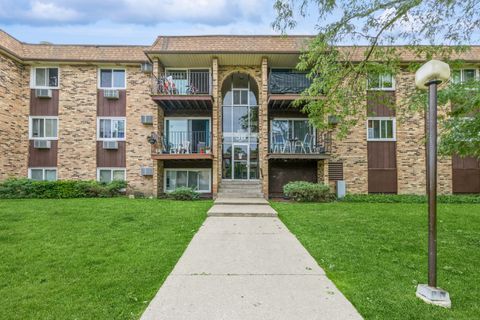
[
  {"x": 203, "y": 180},
  {"x": 50, "y": 127},
  {"x": 171, "y": 177},
  {"x": 119, "y": 78},
  {"x": 193, "y": 180},
  {"x": 53, "y": 77},
  {"x": 40, "y": 77},
  {"x": 38, "y": 128},
  {"x": 227, "y": 161},
  {"x": 254, "y": 162}
]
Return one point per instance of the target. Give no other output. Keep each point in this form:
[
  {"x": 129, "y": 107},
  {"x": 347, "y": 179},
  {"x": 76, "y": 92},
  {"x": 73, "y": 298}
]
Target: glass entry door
[{"x": 240, "y": 165}]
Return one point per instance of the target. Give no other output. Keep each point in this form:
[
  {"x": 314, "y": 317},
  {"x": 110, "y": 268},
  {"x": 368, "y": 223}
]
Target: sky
[{"x": 136, "y": 21}]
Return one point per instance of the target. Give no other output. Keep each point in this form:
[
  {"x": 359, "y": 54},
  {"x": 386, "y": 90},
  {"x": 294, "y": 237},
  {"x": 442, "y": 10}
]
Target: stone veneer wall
[
  {"x": 77, "y": 124},
  {"x": 14, "y": 93},
  {"x": 139, "y": 102}
]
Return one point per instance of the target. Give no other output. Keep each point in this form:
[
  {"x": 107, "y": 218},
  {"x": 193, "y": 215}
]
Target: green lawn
[
  {"x": 89, "y": 258},
  {"x": 377, "y": 253}
]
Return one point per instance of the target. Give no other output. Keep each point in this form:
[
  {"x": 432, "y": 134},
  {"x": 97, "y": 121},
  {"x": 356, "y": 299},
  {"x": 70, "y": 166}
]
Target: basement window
[
  {"x": 45, "y": 78},
  {"x": 107, "y": 175},
  {"x": 42, "y": 174},
  {"x": 197, "y": 179},
  {"x": 381, "y": 129}
]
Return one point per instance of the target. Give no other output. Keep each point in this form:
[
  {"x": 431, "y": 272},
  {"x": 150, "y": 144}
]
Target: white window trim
[
  {"x": 99, "y": 82},
  {"x": 477, "y": 74},
  {"x": 209, "y": 170},
  {"x": 33, "y": 74},
  {"x": 111, "y": 172},
  {"x": 43, "y": 172},
  {"x": 30, "y": 127},
  {"x": 111, "y": 118},
  {"x": 394, "y": 128},
  {"x": 383, "y": 89}
]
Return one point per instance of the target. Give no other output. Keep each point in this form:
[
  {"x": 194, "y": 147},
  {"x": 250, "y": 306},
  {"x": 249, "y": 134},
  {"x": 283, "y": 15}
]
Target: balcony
[
  {"x": 284, "y": 87},
  {"x": 183, "y": 145},
  {"x": 183, "y": 90},
  {"x": 304, "y": 146}
]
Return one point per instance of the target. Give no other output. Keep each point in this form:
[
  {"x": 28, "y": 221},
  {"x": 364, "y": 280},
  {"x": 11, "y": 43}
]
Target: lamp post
[{"x": 429, "y": 76}]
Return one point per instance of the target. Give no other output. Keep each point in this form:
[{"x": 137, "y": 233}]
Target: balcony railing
[
  {"x": 307, "y": 144},
  {"x": 287, "y": 82},
  {"x": 184, "y": 142},
  {"x": 188, "y": 82}
]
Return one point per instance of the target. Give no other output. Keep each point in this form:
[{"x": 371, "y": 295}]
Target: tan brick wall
[
  {"x": 14, "y": 93},
  {"x": 138, "y": 153},
  {"x": 77, "y": 122}
]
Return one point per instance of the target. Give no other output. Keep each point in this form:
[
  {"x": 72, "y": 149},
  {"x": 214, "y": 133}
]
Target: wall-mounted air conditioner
[
  {"x": 111, "y": 94},
  {"x": 110, "y": 145},
  {"x": 146, "y": 67},
  {"x": 42, "y": 144},
  {"x": 147, "y": 119},
  {"x": 43, "y": 93},
  {"x": 146, "y": 171}
]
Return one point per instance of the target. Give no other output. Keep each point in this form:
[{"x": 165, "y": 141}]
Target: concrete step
[
  {"x": 240, "y": 182},
  {"x": 241, "y": 201},
  {"x": 249, "y": 195},
  {"x": 241, "y": 189},
  {"x": 223, "y": 210},
  {"x": 234, "y": 193}
]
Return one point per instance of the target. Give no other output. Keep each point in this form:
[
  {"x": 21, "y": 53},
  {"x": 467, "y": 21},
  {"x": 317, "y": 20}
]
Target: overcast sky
[{"x": 135, "y": 21}]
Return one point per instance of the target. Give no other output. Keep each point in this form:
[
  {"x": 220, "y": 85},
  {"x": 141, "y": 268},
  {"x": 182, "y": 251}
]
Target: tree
[{"x": 378, "y": 34}]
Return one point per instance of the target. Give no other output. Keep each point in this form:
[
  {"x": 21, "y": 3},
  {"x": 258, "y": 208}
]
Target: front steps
[
  {"x": 240, "y": 189},
  {"x": 241, "y": 207}
]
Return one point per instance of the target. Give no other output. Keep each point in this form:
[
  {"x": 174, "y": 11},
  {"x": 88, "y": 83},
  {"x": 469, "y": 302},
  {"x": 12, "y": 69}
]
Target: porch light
[{"x": 430, "y": 75}]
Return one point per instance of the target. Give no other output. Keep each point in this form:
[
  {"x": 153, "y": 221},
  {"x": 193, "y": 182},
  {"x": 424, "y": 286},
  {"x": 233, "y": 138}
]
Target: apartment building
[{"x": 204, "y": 112}]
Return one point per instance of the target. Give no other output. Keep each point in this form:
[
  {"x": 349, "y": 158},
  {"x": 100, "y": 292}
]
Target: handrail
[{"x": 188, "y": 82}]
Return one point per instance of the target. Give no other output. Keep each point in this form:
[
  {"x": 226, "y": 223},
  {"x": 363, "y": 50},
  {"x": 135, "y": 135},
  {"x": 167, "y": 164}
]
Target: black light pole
[{"x": 430, "y": 75}]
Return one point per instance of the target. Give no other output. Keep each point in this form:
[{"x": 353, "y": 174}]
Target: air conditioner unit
[
  {"x": 43, "y": 93},
  {"x": 110, "y": 145},
  {"x": 146, "y": 67},
  {"x": 42, "y": 144},
  {"x": 147, "y": 119},
  {"x": 146, "y": 171},
  {"x": 111, "y": 94}
]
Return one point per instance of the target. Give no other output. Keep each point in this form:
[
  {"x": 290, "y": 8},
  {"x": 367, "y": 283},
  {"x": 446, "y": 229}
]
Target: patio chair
[
  {"x": 279, "y": 143},
  {"x": 308, "y": 143}
]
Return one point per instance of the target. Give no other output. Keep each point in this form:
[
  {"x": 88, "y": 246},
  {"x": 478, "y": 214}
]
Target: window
[
  {"x": 108, "y": 175},
  {"x": 112, "y": 79},
  {"x": 111, "y": 129},
  {"x": 191, "y": 135},
  {"x": 45, "y": 78},
  {"x": 381, "y": 129},
  {"x": 42, "y": 174},
  {"x": 197, "y": 179},
  {"x": 464, "y": 75},
  {"x": 383, "y": 81},
  {"x": 43, "y": 128}
]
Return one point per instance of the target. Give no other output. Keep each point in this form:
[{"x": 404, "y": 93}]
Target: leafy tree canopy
[{"x": 358, "y": 40}]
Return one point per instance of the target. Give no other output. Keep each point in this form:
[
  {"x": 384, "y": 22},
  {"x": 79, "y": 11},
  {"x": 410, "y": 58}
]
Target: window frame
[
  {"x": 30, "y": 127},
  {"x": 111, "y": 118},
  {"x": 394, "y": 128},
  {"x": 111, "y": 169},
  {"x": 99, "y": 76},
  {"x": 44, "y": 169},
  {"x": 209, "y": 170},
  {"x": 380, "y": 81},
  {"x": 33, "y": 77},
  {"x": 477, "y": 74}
]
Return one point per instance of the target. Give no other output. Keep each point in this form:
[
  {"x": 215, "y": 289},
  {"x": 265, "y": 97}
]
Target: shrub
[
  {"x": 409, "y": 198},
  {"x": 184, "y": 193},
  {"x": 307, "y": 192},
  {"x": 25, "y": 188}
]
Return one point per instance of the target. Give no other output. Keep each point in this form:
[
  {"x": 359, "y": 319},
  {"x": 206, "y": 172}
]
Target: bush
[
  {"x": 409, "y": 198},
  {"x": 25, "y": 188},
  {"x": 307, "y": 192},
  {"x": 184, "y": 193}
]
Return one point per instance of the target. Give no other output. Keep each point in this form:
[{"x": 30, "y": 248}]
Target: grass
[
  {"x": 89, "y": 258},
  {"x": 376, "y": 254}
]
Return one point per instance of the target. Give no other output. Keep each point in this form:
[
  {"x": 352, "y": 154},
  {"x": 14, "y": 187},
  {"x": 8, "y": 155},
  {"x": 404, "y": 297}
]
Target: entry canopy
[{"x": 432, "y": 70}]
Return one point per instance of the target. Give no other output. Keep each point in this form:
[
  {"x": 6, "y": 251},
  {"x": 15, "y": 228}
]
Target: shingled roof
[
  {"x": 80, "y": 53},
  {"x": 234, "y": 44}
]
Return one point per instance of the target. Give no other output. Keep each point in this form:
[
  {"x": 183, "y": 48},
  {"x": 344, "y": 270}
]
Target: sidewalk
[{"x": 247, "y": 268}]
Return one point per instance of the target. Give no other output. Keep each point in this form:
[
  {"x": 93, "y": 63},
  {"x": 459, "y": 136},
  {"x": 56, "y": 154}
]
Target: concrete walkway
[{"x": 247, "y": 268}]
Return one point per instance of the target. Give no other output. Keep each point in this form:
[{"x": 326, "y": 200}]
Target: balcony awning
[{"x": 195, "y": 102}]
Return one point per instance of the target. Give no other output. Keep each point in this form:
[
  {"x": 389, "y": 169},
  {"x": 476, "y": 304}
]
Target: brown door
[
  {"x": 282, "y": 173},
  {"x": 465, "y": 175}
]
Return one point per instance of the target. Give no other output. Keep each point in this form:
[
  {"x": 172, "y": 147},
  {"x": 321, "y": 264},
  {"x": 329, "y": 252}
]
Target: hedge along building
[{"x": 206, "y": 112}]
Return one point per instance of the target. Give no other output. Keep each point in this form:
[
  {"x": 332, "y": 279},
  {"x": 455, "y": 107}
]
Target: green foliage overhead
[{"x": 373, "y": 31}]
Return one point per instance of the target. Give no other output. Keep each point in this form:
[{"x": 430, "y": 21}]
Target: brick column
[
  {"x": 216, "y": 132},
  {"x": 322, "y": 171},
  {"x": 263, "y": 127}
]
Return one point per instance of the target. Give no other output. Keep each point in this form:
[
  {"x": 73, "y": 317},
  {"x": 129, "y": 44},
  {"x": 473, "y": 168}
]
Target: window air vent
[
  {"x": 146, "y": 171},
  {"x": 110, "y": 145},
  {"x": 43, "y": 93},
  {"x": 147, "y": 119},
  {"x": 42, "y": 144},
  {"x": 335, "y": 171},
  {"x": 146, "y": 67},
  {"x": 111, "y": 94}
]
